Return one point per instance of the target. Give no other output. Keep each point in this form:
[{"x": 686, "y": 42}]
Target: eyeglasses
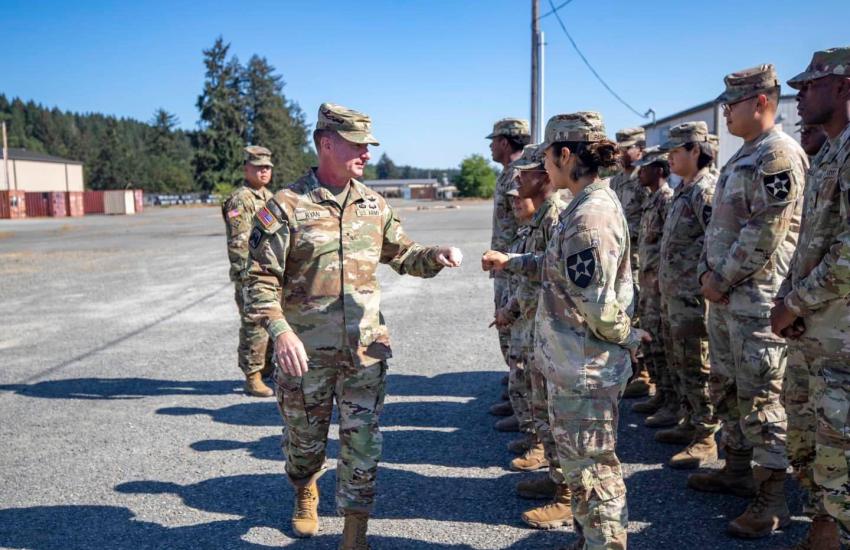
[{"x": 727, "y": 107}]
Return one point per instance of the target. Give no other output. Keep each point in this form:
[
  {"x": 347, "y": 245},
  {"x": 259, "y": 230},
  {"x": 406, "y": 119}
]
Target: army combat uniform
[
  {"x": 817, "y": 290},
  {"x": 583, "y": 336},
  {"x": 323, "y": 257},
  {"x": 631, "y": 193},
  {"x": 238, "y": 210},
  {"x": 748, "y": 246}
]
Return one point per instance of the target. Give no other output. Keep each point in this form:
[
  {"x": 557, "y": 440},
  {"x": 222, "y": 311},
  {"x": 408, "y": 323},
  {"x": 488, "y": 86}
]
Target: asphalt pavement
[{"x": 123, "y": 424}]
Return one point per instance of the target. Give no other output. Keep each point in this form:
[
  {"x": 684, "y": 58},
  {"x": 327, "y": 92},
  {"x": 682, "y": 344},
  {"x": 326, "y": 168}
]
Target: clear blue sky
[{"x": 433, "y": 74}]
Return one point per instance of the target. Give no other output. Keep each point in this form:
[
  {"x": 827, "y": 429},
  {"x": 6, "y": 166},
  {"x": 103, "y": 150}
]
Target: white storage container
[{"x": 119, "y": 202}]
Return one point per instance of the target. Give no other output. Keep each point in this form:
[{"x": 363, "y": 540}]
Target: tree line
[{"x": 238, "y": 104}]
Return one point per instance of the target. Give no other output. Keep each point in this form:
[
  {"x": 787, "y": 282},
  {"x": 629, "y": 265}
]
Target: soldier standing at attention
[
  {"x": 238, "y": 211},
  {"x": 584, "y": 334},
  {"x": 653, "y": 171},
  {"x": 631, "y": 143},
  {"x": 812, "y": 305},
  {"x": 691, "y": 156},
  {"x": 508, "y": 138},
  {"x": 748, "y": 246},
  {"x": 315, "y": 247}
]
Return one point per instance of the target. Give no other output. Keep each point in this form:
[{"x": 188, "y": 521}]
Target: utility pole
[
  {"x": 536, "y": 74},
  {"x": 6, "y": 159}
]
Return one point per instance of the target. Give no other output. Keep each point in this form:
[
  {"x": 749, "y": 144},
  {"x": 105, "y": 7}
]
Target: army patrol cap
[
  {"x": 531, "y": 159},
  {"x": 581, "y": 126},
  {"x": 835, "y": 61},
  {"x": 349, "y": 124},
  {"x": 652, "y": 155},
  {"x": 749, "y": 83},
  {"x": 628, "y": 137},
  {"x": 258, "y": 156},
  {"x": 510, "y": 127},
  {"x": 687, "y": 132}
]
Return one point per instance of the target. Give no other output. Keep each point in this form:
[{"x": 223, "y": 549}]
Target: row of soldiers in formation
[{"x": 739, "y": 282}]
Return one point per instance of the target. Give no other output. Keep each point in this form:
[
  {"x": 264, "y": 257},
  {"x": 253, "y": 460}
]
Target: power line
[{"x": 554, "y": 11}]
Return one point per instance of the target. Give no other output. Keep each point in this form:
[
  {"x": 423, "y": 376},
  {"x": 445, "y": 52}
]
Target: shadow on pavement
[{"x": 121, "y": 388}]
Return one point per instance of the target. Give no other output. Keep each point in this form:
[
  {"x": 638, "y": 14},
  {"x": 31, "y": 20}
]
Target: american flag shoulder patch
[
  {"x": 233, "y": 213},
  {"x": 265, "y": 217}
]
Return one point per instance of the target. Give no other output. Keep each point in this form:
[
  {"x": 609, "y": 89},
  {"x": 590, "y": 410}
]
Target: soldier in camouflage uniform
[
  {"x": 238, "y": 210},
  {"x": 508, "y": 138},
  {"x": 748, "y": 246},
  {"x": 584, "y": 338},
  {"x": 812, "y": 307},
  {"x": 534, "y": 184},
  {"x": 632, "y": 195},
  {"x": 653, "y": 171},
  {"x": 315, "y": 247},
  {"x": 691, "y": 155}
]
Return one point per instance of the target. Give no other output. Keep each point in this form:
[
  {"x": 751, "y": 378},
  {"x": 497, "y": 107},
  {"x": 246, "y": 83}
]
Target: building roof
[
  {"x": 24, "y": 154},
  {"x": 698, "y": 108},
  {"x": 400, "y": 182}
]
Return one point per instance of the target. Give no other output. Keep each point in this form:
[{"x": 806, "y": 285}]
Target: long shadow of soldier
[{"x": 120, "y": 388}]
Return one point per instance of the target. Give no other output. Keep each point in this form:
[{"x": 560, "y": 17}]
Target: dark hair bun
[{"x": 600, "y": 154}]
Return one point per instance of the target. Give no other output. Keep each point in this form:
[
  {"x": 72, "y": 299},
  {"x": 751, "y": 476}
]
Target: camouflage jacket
[
  {"x": 511, "y": 298},
  {"x": 238, "y": 211},
  {"x": 684, "y": 235},
  {"x": 583, "y": 324},
  {"x": 755, "y": 221},
  {"x": 504, "y": 222},
  {"x": 655, "y": 209},
  {"x": 323, "y": 257},
  {"x": 632, "y": 196},
  {"x": 818, "y": 284}
]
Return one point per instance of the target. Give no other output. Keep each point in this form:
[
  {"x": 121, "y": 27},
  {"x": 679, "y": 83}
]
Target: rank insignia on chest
[
  {"x": 778, "y": 186},
  {"x": 706, "y": 214},
  {"x": 581, "y": 267},
  {"x": 265, "y": 217},
  {"x": 233, "y": 213}
]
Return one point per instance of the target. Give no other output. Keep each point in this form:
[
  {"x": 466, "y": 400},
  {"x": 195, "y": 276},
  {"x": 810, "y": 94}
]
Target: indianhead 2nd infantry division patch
[
  {"x": 778, "y": 185},
  {"x": 581, "y": 267},
  {"x": 255, "y": 238}
]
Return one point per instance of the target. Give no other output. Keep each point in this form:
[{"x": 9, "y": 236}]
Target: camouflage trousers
[
  {"x": 540, "y": 419},
  {"x": 831, "y": 393},
  {"x": 798, "y": 400},
  {"x": 306, "y": 405},
  {"x": 584, "y": 426},
  {"x": 519, "y": 393},
  {"x": 254, "y": 351},
  {"x": 748, "y": 366},
  {"x": 500, "y": 285},
  {"x": 687, "y": 353},
  {"x": 654, "y": 356}
]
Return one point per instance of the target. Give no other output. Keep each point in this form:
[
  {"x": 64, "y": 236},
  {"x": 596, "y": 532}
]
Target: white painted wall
[{"x": 31, "y": 175}]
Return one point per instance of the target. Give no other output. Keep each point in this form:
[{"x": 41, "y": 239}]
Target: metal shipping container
[
  {"x": 37, "y": 204},
  {"x": 119, "y": 202},
  {"x": 139, "y": 197},
  {"x": 74, "y": 203},
  {"x": 12, "y": 204},
  {"x": 93, "y": 202},
  {"x": 56, "y": 206}
]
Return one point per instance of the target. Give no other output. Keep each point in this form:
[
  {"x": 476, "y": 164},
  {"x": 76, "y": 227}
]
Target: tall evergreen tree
[{"x": 386, "y": 168}]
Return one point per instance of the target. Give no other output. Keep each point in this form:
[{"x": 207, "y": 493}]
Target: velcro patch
[
  {"x": 778, "y": 185},
  {"x": 368, "y": 212},
  {"x": 581, "y": 267},
  {"x": 706, "y": 214},
  {"x": 255, "y": 238},
  {"x": 265, "y": 217},
  {"x": 233, "y": 213},
  {"x": 302, "y": 215}
]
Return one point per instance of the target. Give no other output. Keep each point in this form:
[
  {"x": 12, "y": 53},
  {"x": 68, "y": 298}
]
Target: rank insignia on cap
[
  {"x": 581, "y": 267},
  {"x": 265, "y": 217},
  {"x": 256, "y": 237},
  {"x": 778, "y": 185},
  {"x": 706, "y": 214},
  {"x": 233, "y": 213}
]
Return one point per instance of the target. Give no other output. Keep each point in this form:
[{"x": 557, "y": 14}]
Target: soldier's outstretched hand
[
  {"x": 493, "y": 261},
  {"x": 291, "y": 355},
  {"x": 449, "y": 256}
]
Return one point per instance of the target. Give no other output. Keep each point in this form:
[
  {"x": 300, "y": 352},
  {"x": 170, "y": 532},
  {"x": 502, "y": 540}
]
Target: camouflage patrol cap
[
  {"x": 652, "y": 155},
  {"x": 687, "y": 132},
  {"x": 835, "y": 61},
  {"x": 631, "y": 136},
  {"x": 531, "y": 159},
  {"x": 581, "y": 126},
  {"x": 349, "y": 124},
  {"x": 749, "y": 83},
  {"x": 510, "y": 127},
  {"x": 258, "y": 156}
]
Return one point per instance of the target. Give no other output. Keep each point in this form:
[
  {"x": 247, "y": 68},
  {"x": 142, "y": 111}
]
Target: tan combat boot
[
  {"x": 680, "y": 434},
  {"x": 537, "y": 488},
  {"x": 554, "y": 514},
  {"x": 533, "y": 459},
  {"x": 700, "y": 451},
  {"x": 640, "y": 386},
  {"x": 305, "y": 515},
  {"x": 354, "y": 531},
  {"x": 668, "y": 415},
  {"x": 502, "y": 408},
  {"x": 507, "y": 424},
  {"x": 651, "y": 405},
  {"x": 255, "y": 386},
  {"x": 768, "y": 511},
  {"x": 522, "y": 444},
  {"x": 735, "y": 478},
  {"x": 822, "y": 535}
]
